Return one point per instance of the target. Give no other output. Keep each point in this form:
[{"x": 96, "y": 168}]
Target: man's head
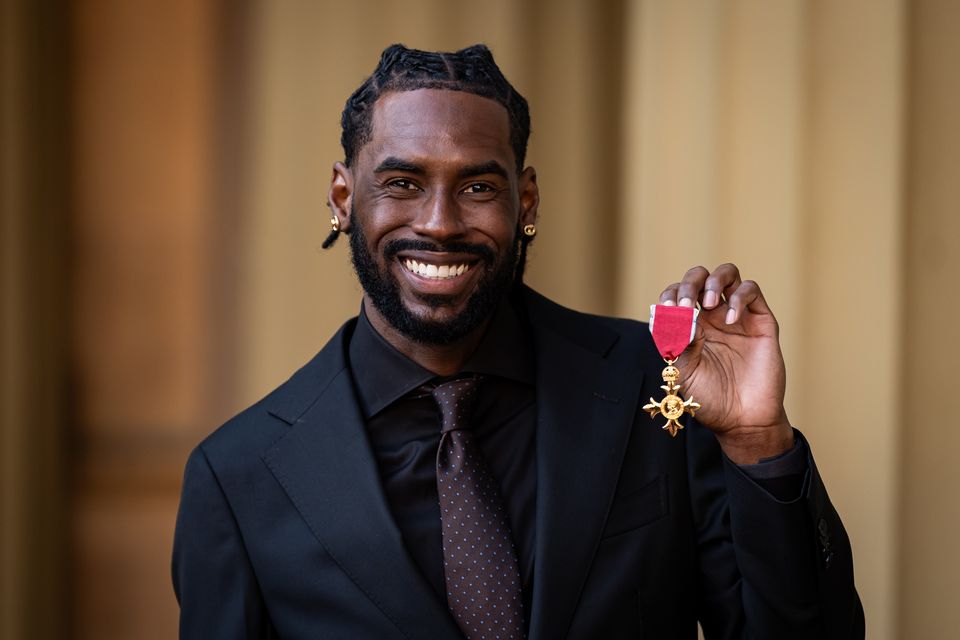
[{"x": 433, "y": 191}]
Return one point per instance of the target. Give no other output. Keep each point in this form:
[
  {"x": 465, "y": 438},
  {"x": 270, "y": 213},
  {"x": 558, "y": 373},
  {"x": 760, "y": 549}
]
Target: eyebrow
[
  {"x": 492, "y": 166},
  {"x": 393, "y": 163}
]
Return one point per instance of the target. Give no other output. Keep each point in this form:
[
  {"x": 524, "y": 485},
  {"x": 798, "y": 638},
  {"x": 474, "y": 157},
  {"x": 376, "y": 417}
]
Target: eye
[
  {"x": 402, "y": 184},
  {"x": 478, "y": 187}
]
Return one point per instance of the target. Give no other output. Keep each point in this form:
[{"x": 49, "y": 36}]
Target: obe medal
[{"x": 672, "y": 329}]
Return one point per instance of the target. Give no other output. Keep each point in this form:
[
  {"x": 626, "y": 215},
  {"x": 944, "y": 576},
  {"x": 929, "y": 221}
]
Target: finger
[
  {"x": 747, "y": 297},
  {"x": 722, "y": 282},
  {"x": 691, "y": 287},
  {"x": 669, "y": 295}
]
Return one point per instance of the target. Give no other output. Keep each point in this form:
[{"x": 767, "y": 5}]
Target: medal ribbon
[{"x": 672, "y": 328}]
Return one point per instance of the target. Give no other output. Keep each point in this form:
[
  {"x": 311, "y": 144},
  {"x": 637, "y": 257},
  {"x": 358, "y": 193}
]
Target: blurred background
[{"x": 164, "y": 166}]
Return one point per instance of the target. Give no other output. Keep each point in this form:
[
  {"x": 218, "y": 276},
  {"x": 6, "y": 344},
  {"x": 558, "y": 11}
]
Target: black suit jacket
[{"x": 284, "y": 530}]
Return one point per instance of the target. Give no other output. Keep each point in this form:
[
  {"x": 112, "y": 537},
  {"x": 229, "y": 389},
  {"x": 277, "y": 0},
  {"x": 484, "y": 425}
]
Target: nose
[{"x": 441, "y": 219}]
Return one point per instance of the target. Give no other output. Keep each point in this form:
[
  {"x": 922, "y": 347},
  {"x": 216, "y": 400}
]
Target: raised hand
[{"x": 734, "y": 367}]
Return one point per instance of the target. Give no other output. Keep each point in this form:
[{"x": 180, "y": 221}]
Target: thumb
[{"x": 690, "y": 358}]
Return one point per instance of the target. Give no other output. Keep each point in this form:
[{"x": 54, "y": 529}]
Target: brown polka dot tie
[{"x": 479, "y": 561}]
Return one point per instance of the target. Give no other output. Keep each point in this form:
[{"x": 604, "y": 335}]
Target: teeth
[{"x": 433, "y": 271}]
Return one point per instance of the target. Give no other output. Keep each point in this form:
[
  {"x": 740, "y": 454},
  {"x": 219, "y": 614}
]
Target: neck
[{"x": 441, "y": 359}]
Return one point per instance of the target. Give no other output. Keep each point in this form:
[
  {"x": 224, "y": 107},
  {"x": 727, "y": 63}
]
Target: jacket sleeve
[
  {"x": 212, "y": 576},
  {"x": 770, "y": 568}
]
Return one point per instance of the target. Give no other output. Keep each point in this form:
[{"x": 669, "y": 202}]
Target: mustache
[{"x": 396, "y": 246}]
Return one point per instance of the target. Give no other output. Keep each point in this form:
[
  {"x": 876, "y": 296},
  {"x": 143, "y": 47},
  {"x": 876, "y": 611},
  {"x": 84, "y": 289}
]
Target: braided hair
[
  {"x": 472, "y": 70},
  {"x": 401, "y": 69}
]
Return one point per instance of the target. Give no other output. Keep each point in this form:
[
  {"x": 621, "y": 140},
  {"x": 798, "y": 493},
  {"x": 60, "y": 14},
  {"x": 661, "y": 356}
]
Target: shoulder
[
  {"x": 254, "y": 430},
  {"x": 608, "y": 336}
]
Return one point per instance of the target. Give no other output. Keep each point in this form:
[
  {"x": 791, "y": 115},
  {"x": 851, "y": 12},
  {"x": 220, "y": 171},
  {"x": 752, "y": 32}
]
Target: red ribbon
[{"x": 672, "y": 329}]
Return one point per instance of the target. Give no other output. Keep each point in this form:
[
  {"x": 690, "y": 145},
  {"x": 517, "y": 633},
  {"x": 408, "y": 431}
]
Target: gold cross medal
[{"x": 673, "y": 330}]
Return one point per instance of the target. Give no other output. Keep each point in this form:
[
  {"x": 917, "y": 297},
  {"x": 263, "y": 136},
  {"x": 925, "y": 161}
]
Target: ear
[
  {"x": 529, "y": 197},
  {"x": 340, "y": 195}
]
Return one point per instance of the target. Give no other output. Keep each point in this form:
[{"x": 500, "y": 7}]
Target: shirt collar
[{"x": 383, "y": 375}]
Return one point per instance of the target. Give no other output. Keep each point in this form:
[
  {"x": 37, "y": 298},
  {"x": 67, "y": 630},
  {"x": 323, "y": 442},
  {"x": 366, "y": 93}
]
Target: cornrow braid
[{"x": 472, "y": 70}]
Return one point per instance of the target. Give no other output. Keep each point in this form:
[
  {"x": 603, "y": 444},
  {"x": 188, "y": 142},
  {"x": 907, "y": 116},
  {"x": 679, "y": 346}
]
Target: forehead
[{"x": 438, "y": 125}]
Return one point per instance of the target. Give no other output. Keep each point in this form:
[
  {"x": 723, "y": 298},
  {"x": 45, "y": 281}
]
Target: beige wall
[
  {"x": 813, "y": 142},
  {"x": 929, "y": 513}
]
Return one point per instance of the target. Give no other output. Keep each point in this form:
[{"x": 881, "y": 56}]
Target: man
[{"x": 469, "y": 459}]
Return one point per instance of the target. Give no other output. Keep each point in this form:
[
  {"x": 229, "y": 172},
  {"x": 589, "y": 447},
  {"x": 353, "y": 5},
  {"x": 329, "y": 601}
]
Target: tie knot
[{"x": 455, "y": 401}]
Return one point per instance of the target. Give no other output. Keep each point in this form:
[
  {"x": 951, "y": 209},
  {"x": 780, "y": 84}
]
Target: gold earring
[
  {"x": 335, "y": 223},
  {"x": 530, "y": 231}
]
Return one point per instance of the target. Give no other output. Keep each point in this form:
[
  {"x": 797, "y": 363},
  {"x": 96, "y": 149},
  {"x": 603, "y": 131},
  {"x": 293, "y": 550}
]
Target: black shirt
[{"x": 403, "y": 426}]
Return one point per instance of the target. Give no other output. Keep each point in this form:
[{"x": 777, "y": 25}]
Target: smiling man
[{"x": 469, "y": 459}]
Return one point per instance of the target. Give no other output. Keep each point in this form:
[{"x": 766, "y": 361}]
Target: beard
[{"x": 383, "y": 289}]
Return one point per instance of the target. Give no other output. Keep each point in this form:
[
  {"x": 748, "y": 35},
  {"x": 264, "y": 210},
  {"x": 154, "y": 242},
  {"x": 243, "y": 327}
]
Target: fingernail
[
  {"x": 710, "y": 299},
  {"x": 669, "y": 303},
  {"x": 686, "y": 302},
  {"x": 731, "y": 316}
]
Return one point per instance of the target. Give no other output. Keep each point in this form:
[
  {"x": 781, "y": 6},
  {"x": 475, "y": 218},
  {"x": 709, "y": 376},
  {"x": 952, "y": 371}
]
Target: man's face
[{"x": 436, "y": 204}]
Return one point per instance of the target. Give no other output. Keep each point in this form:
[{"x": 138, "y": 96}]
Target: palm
[{"x": 735, "y": 372}]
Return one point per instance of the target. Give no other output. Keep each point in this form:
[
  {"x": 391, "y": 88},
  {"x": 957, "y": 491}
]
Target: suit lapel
[
  {"x": 325, "y": 465},
  {"x": 585, "y": 407}
]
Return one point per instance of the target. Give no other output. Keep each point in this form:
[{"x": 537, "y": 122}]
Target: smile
[{"x": 435, "y": 271}]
